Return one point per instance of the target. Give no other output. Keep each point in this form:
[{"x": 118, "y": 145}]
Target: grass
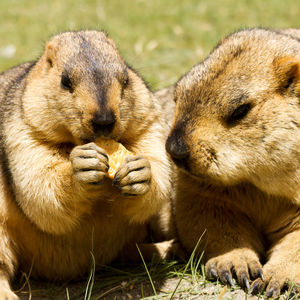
[
  {"x": 161, "y": 39},
  {"x": 146, "y": 268},
  {"x": 91, "y": 280},
  {"x": 152, "y": 281},
  {"x": 156, "y": 280}
]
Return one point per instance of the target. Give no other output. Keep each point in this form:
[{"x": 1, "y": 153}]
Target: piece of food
[{"x": 116, "y": 155}]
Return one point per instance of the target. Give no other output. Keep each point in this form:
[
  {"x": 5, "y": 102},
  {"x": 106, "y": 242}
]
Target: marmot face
[
  {"x": 84, "y": 82},
  {"x": 237, "y": 115}
]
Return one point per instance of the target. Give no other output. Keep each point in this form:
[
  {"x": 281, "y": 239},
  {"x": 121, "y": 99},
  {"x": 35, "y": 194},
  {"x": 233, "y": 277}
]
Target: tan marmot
[
  {"x": 236, "y": 137},
  {"x": 57, "y": 202}
]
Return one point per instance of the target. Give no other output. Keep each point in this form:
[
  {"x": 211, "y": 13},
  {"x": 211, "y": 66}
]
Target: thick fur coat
[
  {"x": 236, "y": 137},
  {"x": 56, "y": 202}
]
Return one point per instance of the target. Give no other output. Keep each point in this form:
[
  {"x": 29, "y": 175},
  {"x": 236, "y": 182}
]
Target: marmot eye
[
  {"x": 66, "y": 83},
  {"x": 125, "y": 82},
  {"x": 239, "y": 113}
]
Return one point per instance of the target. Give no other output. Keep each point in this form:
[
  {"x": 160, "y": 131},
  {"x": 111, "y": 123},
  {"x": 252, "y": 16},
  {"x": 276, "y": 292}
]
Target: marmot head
[
  {"x": 237, "y": 116},
  {"x": 81, "y": 89}
]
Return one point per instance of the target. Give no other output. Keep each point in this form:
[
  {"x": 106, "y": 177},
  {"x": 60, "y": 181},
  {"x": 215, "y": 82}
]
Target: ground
[
  {"x": 132, "y": 283},
  {"x": 161, "y": 39}
]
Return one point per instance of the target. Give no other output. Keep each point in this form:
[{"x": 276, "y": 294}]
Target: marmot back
[
  {"x": 56, "y": 198},
  {"x": 236, "y": 132}
]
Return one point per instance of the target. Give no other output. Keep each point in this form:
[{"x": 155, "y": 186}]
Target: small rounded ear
[
  {"x": 287, "y": 70},
  {"x": 50, "y": 53},
  {"x": 111, "y": 42}
]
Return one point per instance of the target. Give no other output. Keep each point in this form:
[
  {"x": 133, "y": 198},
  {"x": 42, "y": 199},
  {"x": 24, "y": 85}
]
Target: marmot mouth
[
  {"x": 104, "y": 131},
  {"x": 91, "y": 136},
  {"x": 103, "y": 137}
]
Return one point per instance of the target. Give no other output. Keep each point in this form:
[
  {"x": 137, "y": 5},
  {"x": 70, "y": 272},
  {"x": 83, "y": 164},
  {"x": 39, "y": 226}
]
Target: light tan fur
[
  {"x": 56, "y": 203},
  {"x": 236, "y": 137}
]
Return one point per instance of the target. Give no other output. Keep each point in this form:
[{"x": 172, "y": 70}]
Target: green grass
[
  {"x": 133, "y": 281},
  {"x": 162, "y": 39}
]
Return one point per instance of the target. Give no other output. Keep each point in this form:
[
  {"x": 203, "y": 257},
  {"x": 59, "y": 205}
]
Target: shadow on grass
[
  {"x": 117, "y": 281},
  {"x": 131, "y": 282}
]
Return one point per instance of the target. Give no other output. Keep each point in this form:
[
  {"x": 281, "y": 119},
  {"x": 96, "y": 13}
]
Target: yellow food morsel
[{"x": 116, "y": 155}]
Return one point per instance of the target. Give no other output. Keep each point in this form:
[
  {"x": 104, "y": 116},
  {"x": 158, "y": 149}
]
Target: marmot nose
[
  {"x": 103, "y": 123},
  {"x": 177, "y": 148}
]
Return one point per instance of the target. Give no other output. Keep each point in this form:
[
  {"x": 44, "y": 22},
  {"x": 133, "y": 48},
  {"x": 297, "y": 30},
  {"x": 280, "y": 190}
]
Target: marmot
[
  {"x": 235, "y": 137},
  {"x": 57, "y": 204}
]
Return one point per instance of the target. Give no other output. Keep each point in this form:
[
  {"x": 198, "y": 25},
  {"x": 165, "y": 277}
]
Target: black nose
[
  {"x": 177, "y": 147},
  {"x": 103, "y": 122}
]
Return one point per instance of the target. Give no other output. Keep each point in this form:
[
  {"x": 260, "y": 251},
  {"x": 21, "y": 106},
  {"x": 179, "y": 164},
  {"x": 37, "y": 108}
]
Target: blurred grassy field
[{"x": 162, "y": 39}]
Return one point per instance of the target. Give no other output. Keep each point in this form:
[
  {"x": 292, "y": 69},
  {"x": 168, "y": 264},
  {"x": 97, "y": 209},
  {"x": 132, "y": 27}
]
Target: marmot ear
[
  {"x": 50, "y": 53},
  {"x": 111, "y": 42},
  {"x": 287, "y": 70}
]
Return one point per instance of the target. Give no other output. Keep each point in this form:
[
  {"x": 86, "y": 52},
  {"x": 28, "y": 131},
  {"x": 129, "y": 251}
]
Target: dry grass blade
[{"x": 90, "y": 284}]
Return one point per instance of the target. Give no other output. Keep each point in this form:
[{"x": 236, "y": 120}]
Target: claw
[
  {"x": 271, "y": 292},
  {"x": 273, "y": 289},
  {"x": 116, "y": 179},
  {"x": 291, "y": 296},
  {"x": 214, "y": 273},
  {"x": 245, "y": 281},
  {"x": 261, "y": 275},
  {"x": 256, "y": 287},
  {"x": 228, "y": 278}
]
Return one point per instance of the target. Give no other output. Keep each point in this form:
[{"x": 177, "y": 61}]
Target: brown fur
[
  {"x": 166, "y": 99},
  {"x": 236, "y": 137},
  {"x": 56, "y": 203}
]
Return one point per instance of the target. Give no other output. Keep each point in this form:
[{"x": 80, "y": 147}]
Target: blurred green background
[{"x": 162, "y": 39}]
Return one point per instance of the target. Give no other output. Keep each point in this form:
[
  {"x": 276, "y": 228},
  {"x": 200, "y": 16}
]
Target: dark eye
[
  {"x": 66, "y": 83},
  {"x": 125, "y": 82},
  {"x": 239, "y": 113}
]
